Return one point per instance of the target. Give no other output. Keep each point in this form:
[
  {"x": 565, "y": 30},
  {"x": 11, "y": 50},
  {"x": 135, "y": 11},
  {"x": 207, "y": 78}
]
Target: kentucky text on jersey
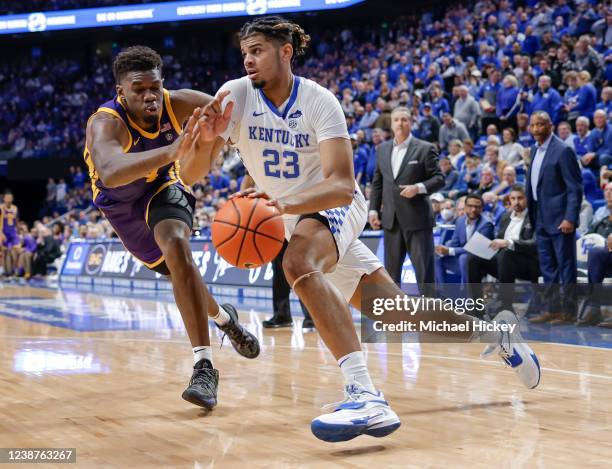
[
  {"x": 280, "y": 145},
  {"x": 284, "y": 137}
]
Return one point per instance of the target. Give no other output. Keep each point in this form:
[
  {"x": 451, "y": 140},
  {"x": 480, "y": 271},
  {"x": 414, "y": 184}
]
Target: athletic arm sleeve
[
  {"x": 238, "y": 92},
  {"x": 328, "y": 117}
]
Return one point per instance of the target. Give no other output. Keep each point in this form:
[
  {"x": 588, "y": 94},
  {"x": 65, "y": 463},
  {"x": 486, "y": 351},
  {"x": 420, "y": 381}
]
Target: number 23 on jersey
[{"x": 291, "y": 168}]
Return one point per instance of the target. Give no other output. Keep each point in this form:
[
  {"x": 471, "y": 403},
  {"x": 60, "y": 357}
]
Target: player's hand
[
  {"x": 188, "y": 142},
  {"x": 499, "y": 244},
  {"x": 245, "y": 193},
  {"x": 213, "y": 122},
  {"x": 610, "y": 242},
  {"x": 279, "y": 205},
  {"x": 253, "y": 193},
  {"x": 409, "y": 191},
  {"x": 566, "y": 227},
  {"x": 374, "y": 220}
]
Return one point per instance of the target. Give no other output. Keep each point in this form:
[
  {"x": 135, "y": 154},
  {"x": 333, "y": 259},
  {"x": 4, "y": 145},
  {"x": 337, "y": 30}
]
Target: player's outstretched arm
[
  {"x": 184, "y": 102},
  {"x": 210, "y": 123},
  {"x": 188, "y": 104},
  {"x": 196, "y": 162},
  {"x": 106, "y": 140}
]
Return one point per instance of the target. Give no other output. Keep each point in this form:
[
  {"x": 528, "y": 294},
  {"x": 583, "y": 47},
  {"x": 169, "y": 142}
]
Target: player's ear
[
  {"x": 120, "y": 93},
  {"x": 286, "y": 52}
]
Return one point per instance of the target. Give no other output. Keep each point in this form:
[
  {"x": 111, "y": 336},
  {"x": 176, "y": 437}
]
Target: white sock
[
  {"x": 222, "y": 317},
  {"x": 202, "y": 351},
  {"x": 355, "y": 370},
  {"x": 484, "y": 336}
]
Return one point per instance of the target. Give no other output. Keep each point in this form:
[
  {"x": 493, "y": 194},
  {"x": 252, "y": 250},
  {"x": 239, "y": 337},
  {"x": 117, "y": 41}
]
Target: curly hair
[
  {"x": 279, "y": 29},
  {"x": 135, "y": 59}
]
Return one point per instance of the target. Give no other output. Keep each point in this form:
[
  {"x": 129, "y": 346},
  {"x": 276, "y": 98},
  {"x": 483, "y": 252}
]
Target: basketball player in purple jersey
[
  {"x": 141, "y": 162},
  {"x": 10, "y": 240}
]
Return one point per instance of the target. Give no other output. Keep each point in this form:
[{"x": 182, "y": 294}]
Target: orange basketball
[{"x": 247, "y": 233}]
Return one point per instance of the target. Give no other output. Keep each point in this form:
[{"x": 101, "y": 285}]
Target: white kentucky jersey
[{"x": 280, "y": 146}]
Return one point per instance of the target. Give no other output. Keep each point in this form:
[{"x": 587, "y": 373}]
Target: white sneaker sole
[{"x": 336, "y": 432}]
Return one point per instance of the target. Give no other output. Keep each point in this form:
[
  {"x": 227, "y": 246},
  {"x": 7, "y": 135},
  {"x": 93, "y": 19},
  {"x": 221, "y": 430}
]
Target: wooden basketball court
[{"x": 104, "y": 374}]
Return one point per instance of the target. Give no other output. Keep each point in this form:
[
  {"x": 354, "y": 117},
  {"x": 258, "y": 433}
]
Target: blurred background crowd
[{"x": 471, "y": 75}]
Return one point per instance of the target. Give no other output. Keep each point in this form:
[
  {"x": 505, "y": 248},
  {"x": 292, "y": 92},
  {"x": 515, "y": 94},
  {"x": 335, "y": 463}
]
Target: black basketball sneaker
[
  {"x": 202, "y": 389},
  {"x": 245, "y": 343}
]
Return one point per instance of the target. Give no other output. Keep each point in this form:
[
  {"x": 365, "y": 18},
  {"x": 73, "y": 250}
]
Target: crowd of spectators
[
  {"x": 45, "y": 102},
  {"x": 471, "y": 79}
]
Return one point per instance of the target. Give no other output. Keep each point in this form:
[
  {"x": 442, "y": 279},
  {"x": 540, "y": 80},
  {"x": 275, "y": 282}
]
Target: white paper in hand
[{"x": 478, "y": 245}]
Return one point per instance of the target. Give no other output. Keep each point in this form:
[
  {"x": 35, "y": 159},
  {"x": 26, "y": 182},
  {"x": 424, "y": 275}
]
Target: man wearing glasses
[{"x": 453, "y": 255}]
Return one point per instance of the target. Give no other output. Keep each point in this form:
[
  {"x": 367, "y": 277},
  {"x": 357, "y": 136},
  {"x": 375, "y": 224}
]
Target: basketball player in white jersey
[{"x": 292, "y": 136}]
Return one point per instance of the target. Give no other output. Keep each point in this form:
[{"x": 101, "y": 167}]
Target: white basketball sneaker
[
  {"x": 360, "y": 413},
  {"x": 515, "y": 352}
]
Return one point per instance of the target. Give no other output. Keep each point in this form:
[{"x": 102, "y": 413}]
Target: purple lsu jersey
[
  {"x": 9, "y": 225},
  {"x": 126, "y": 207}
]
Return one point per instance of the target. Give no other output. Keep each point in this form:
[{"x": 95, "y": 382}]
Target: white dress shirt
[
  {"x": 513, "y": 232},
  {"x": 397, "y": 158},
  {"x": 397, "y": 155}
]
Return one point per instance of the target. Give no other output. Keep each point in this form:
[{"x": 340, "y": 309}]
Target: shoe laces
[
  {"x": 204, "y": 378},
  {"x": 503, "y": 347},
  {"x": 352, "y": 393},
  {"x": 235, "y": 332}
]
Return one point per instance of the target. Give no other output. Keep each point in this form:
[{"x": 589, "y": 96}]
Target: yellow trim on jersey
[
  {"x": 168, "y": 104},
  {"x": 93, "y": 175},
  {"x": 91, "y": 169},
  {"x": 177, "y": 172},
  {"x": 140, "y": 130},
  {"x": 161, "y": 188},
  {"x": 114, "y": 113},
  {"x": 154, "y": 264}
]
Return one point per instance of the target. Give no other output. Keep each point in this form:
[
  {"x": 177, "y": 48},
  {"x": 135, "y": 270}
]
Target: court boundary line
[
  {"x": 374, "y": 352},
  {"x": 357, "y": 323}
]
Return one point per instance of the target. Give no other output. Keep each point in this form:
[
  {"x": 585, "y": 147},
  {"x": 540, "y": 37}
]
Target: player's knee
[
  {"x": 295, "y": 265},
  {"x": 177, "y": 252}
]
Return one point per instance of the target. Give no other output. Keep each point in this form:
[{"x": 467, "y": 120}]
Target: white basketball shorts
[{"x": 355, "y": 259}]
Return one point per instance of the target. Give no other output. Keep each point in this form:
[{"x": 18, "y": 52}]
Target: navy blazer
[
  {"x": 459, "y": 239},
  {"x": 559, "y": 187}
]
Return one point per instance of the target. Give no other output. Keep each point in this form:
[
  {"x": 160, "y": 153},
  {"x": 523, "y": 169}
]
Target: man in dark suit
[
  {"x": 517, "y": 257},
  {"x": 406, "y": 172},
  {"x": 453, "y": 255},
  {"x": 554, "y": 195}
]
